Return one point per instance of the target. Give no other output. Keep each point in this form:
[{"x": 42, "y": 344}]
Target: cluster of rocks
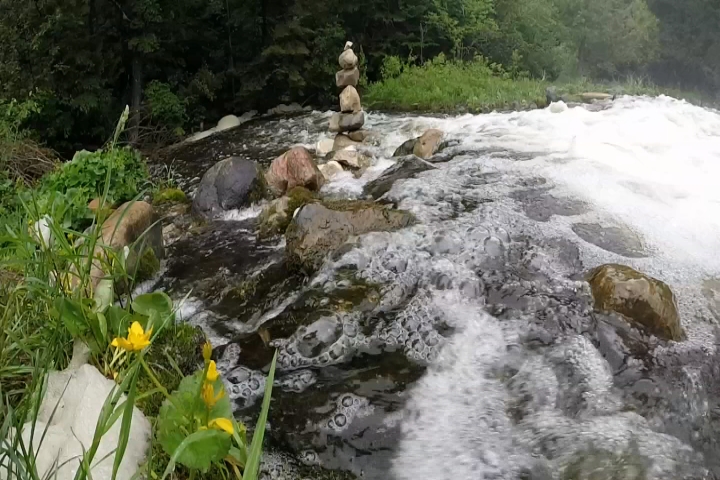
[{"x": 351, "y": 116}]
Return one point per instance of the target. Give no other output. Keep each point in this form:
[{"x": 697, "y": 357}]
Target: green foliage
[
  {"x": 183, "y": 414},
  {"x": 391, "y": 67},
  {"x": 88, "y": 171},
  {"x": 169, "y": 195},
  {"x": 442, "y": 85},
  {"x": 166, "y": 107}
]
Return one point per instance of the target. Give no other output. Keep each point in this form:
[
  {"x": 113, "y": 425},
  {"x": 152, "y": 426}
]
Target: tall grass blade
[{"x": 253, "y": 463}]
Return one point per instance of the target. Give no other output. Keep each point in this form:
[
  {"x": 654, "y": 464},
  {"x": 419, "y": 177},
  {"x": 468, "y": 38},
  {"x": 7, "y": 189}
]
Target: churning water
[{"x": 466, "y": 347}]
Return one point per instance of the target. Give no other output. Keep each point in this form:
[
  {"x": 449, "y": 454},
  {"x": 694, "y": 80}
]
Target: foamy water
[
  {"x": 649, "y": 166},
  {"x": 529, "y": 383}
]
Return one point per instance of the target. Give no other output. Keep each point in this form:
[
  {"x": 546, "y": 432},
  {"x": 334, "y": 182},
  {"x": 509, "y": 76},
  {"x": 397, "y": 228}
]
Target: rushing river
[{"x": 466, "y": 347}]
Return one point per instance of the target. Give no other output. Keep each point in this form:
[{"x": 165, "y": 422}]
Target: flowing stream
[{"x": 466, "y": 346}]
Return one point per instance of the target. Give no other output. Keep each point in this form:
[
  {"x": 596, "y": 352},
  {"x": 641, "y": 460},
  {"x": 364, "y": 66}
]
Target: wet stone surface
[{"x": 613, "y": 239}]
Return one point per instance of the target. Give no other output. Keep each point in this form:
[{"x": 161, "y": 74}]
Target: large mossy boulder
[
  {"x": 318, "y": 229},
  {"x": 231, "y": 183},
  {"x": 641, "y": 299}
]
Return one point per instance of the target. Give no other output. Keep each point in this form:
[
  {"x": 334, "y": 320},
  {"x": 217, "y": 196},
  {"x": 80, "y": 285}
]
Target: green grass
[
  {"x": 453, "y": 87},
  {"x": 449, "y": 86}
]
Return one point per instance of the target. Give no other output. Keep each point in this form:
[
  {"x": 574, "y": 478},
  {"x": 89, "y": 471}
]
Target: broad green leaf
[
  {"x": 199, "y": 450},
  {"x": 149, "y": 302},
  {"x": 103, "y": 295},
  {"x": 184, "y": 412},
  {"x": 117, "y": 320},
  {"x": 72, "y": 316}
]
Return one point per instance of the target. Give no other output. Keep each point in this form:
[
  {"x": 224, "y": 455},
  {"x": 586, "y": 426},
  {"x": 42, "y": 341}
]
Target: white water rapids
[{"x": 524, "y": 391}]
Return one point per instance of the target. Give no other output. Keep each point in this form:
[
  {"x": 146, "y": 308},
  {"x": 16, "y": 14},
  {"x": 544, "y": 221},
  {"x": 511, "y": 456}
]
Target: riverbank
[{"x": 477, "y": 87}]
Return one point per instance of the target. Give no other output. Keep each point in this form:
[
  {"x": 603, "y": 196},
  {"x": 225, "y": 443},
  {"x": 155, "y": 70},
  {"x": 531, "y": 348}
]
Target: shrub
[
  {"x": 88, "y": 172},
  {"x": 166, "y": 107}
]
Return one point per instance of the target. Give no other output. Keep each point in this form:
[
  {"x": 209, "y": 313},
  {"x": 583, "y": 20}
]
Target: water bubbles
[{"x": 347, "y": 408}]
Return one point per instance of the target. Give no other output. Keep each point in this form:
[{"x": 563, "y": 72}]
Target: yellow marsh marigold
[
  {"x": 212, "y": 373},
  {"x": 209, "y": 397},
  {"x": 207, "y": 351},
  {"x": 221, "y": 424},
  {"x": 136, "y": 340}
]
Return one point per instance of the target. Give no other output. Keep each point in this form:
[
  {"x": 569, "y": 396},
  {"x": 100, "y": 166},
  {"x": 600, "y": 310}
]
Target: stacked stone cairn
[{"x": 351, "y": 116}]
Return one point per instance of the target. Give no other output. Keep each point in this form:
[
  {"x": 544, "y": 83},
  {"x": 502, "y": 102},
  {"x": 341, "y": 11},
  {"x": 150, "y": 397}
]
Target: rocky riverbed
[{"x": 464, "y": 341}]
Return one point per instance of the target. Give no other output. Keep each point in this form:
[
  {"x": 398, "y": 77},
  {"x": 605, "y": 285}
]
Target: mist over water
[{"x": 512, "y": 374}]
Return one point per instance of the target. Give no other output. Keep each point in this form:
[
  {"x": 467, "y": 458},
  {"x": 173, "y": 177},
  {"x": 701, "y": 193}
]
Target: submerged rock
[
  {"x": 318, "y": 229},
  {"x": 405, "y": 167},
  {"x": 347, "y": 122},
  {"x": 230, "y": 183},
  {"x": 641, "y": 299},
  {"x": 294, "y": 168}
]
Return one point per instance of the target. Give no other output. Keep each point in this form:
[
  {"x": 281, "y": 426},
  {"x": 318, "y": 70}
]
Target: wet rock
[
  {"x": 350, "y": 100},
  {"x": 318, "y": 229},
  {"x": 227, "y": 122},
  {"x": 613, "y": 239},
  {"x": 343, "y": 140},
  {"x": 405, "y": 167},
  {"x": 424, "y": 146},
  {"x": 324, "y": 147},
  {"x": 294, "y": 168},
  {"x": 348, "y": 60},
  {"x": 352, "y": 159},
  {"x": 276, "y": 216},
  {"x": 330, "y": 169},
  {"x": 347, "y": 122},
  {"x": 359, "y": 135},
  {"x": 406, "y": 148},
  {"x": 283, "y": 109},
  {"x": 590, "y": 97},
  {"x": 230, "y": 183},
  {"x": 551, "y": 95},
  {"x": 428, "y": 143},
  {"x": 641, "y": 299},
  {"x": 345, "y": 78}
]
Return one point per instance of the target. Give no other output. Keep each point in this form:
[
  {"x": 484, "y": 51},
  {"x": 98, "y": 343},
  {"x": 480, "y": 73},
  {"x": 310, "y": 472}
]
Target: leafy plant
[{"x": 88, "y": 172}]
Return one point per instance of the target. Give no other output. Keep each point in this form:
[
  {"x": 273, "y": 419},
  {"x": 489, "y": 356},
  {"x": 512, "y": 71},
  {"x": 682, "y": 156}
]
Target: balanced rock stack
[{"x": 351, "y": 116}]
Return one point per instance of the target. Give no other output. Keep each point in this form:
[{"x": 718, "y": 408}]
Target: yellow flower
[
  {"x": 212, "y": 373},
  {"x": 136, "y": 340},
  {"x": 221, "y": 424},
  {"x": 209, "y": 397},
  {"x": 207, "y": 351}
]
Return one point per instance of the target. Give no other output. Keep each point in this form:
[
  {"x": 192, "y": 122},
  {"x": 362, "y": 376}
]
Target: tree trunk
[{"x": 136, "y": 97}]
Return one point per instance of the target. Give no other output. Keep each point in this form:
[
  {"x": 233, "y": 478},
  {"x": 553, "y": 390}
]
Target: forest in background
[{"x": 180, "y": 63}]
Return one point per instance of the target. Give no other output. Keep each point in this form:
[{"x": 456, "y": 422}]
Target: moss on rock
[
  {"x": 169, "y": 195},
  {"x": 276, "y": 217}
]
